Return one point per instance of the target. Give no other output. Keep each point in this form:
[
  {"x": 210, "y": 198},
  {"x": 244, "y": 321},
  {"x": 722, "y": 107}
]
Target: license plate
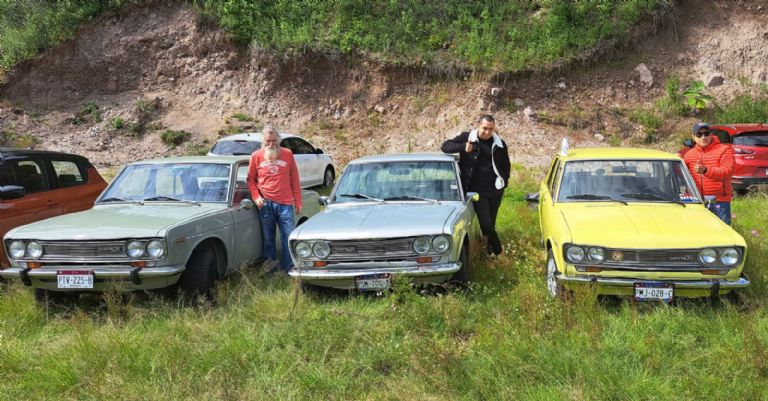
[
  {"x": 373, "y": 282},
  {"x": 654, "y": 292},
  {"x": 74, "y": 279}
]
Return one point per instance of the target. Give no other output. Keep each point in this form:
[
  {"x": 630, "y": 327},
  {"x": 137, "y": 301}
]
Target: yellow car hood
[{"x": 646, "y": 225}]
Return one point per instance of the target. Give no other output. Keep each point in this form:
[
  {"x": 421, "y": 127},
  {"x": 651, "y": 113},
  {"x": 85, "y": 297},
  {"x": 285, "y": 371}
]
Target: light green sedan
[{"x": 186, "y": 221}]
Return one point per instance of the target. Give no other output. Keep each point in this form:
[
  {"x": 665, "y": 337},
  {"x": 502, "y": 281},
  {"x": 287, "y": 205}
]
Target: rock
[
  {"x": 530, "y": 114},
  {"x": 600, "y": 137},
  {"x": 379, "y": 109},
  {"x": 348, "y": 112},
  {"x": 337, "y": 115},
  {"x": 714, "y": 79},
  {"x": 562, "y": 85},
  {"x": 496, "y": 91},
  {"x": 646, "y": 77},
  {"x": 519, "y": 102}
]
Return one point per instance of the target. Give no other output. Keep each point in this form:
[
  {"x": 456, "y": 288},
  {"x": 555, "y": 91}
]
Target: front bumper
[
  {"x": 688, "y": 288},
  {"x": 740, "y": 183},
  {"x": 343, "y": 275},
  {"x": 104, "y": 276}
]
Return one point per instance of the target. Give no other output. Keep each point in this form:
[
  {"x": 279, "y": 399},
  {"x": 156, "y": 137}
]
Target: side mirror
[
  {"x": 688, "y": 143},
  {"x": 12, "y": 192},
  {"x": 532, "y": 197},
  {"x": 323, "y": 201},
  {"x": 473, "y": 196},
  {"x": 318, "y": 151},
  {"x": 246, "y": 204}
]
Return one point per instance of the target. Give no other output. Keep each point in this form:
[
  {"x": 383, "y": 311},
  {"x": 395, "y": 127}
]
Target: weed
[
  {"x": 174, "y": 138},
  {"x": 12, "y": 139},
  {"x": 198, "y": 149},
  {"x": 117, "y": 123},
  {"x": 242, "y": 117},
  {"x": 650, "y": 122},
  {"x": 744, "y": 108},
  {"x": 697, "y": 99},
  {"x": 375, "y": 119}
]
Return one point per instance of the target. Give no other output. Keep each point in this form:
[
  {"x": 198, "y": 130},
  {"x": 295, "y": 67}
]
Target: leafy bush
[
  {"x": 174, "y": 138},
  {"x": 744, "y": 108},
  {"x": 695, "y": 96},
  {"x": 12, "y": 139},
  {"x": 117, "y": 123},
  {"x": 89, "y": 113}
]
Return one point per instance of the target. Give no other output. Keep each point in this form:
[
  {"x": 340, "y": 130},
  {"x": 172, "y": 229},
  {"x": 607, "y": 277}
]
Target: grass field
[{"x": 503, "y": 338}]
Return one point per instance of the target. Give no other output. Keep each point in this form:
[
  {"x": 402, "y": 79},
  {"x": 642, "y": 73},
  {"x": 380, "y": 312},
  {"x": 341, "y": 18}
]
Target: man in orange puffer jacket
[{"x": 711, "y": 164}]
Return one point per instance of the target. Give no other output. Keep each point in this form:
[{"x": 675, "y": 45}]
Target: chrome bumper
[
  {"x": 344, "y": 278},
  {"x": 742, "y": 282},
  {"x": 132, "y": 278}
]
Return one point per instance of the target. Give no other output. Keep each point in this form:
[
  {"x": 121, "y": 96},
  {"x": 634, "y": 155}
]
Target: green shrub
[
  {"x": 242, "y": 117},
  {"x": 12, "y": 139},
  {"x": 744, "y": 108},
  {"x": 673, "y": 102},
  {"x": 650, "y": 122},
  {"x": 174, "y": 138},
  {"x": 117, "y": 123}
]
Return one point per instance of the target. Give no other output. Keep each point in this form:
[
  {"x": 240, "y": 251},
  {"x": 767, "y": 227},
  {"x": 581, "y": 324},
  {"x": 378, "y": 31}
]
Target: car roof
[
  {"x": 252, "y": 136},
  {"x": 739, "y": 128},
  {"x": 4, "y": 152},
  {"x": 617, "y": 153},
  {"x": 405, "y": 157},
  {"x": 195, "y": 159}
]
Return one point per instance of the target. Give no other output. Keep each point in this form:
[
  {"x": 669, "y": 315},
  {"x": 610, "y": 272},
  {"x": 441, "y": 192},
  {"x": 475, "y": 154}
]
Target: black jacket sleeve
[
  {"x": 456, "y": 144},
  {"x": 504, "y": 165}
]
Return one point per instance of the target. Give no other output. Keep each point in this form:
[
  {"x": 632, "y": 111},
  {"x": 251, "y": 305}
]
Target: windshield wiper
[
  {"x": 595, "y": 197},
  {"x": 408, "y": 197},
  {"x": 168, "y": 198},
  {"x": 361, "y": 196},
  {"x": 646, "y": 196},
  {"x": 240, "y": 154},
  {"x": 117, "y": 199}
]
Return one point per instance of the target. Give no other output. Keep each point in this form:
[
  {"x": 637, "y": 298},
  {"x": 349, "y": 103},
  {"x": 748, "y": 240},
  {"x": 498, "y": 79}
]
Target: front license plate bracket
[
  {"x": 373, "y": 282},
  {"x": 654, "y": 291},
  {"x": 74, "y": 279}
]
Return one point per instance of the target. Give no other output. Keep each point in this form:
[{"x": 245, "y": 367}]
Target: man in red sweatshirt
[
  {"x": 273, "y": 179},
  {"x": 711, "y": 164}
]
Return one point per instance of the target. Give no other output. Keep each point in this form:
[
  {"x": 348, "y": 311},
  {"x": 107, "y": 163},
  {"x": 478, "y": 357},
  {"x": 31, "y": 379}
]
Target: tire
[
  {"x": 328, "y": 177},
  {"x": 54, "y": 298},
  {"x": 200, "y": 274},
  {"x": 555, "y": 289},
  {"x": 462, "y": 276}
]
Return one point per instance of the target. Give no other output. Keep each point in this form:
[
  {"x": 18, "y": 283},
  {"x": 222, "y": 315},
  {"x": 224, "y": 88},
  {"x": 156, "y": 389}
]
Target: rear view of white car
[{"x": 315, "y": 167}]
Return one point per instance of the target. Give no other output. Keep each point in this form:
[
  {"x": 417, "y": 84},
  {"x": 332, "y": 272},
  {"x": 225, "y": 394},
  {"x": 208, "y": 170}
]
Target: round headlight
[
  {"x": 575, "y": 254},
  {"x": 729, "y": 256},
  {"x": 708, "y": 256},
  {"x": 156, "y": 248},
  {"x": 596, "y": 255},
  {"x": 302, "y": 249},
  {"x": 134, "y": 249},
  {"x": 421, "y": 245},
  {"x": 321, "y": 249},
  {"x": 441, "y": 244},
  {"x": 34, "y": 249},
  {"x": 17, "y": 249}
]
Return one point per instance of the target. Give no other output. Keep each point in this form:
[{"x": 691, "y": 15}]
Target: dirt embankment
[{"x": 149, "y": 69}]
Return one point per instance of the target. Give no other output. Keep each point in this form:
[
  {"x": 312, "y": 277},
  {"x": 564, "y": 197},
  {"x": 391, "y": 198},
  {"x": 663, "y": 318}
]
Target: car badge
[
  {"x": 345, "y": 249},
  {"x": 617, "y": 256},
  {"x": 110, "y": 249}
]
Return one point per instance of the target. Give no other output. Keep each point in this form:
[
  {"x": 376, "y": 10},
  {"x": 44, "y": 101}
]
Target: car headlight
[
  {"x": 441, "y": 243},
  {"x": 302, "y": 249},
  {"x": 708, "y": 256},
  {"x": 156, "y": 248},
  {"x": 596, "y": 255},
  {"x": 321, "y": 249},
  {"x": 729, "y": 256},
  {"x": 575, "y": 254},
  {"x": 17, "y": 249},
  {"x": 34, "y": 249},
  {"x": 421, "y": 245},
  {"x": 134, "y": 249}
]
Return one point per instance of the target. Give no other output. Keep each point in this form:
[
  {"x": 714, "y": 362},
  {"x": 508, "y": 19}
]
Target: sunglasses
[{"x": 702, "y": 133}]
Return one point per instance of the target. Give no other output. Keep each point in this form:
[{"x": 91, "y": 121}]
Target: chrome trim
[
  {"x": 120, "y": 271},
  {"x": 655, "y": 259},
  {"x": 89, "y": 251},
  {"x": 742, "y": 282},
  {"x": 410, "y": 271},
  {"x": 390, "y": 249}
]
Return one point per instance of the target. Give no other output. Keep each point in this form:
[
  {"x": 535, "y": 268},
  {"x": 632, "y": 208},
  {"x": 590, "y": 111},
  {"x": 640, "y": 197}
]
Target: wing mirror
[
  {"x": 246, "y": 204},
  {"x": 322, "y": 201},
  {"x": 12, "y": 192},
  {"x": 532, "y": 197},
  {"x": 473, "y": 196},
  {"x": 688, "y": 143}
]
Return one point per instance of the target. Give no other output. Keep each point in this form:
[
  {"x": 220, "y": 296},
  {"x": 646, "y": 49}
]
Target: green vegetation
[
  {"x": 243, "y": 117},
  {"x": 497, "y": 36},
  {"x": 89, "y": 113},
  {"x": 12, "y": 139},
  {"x": 117, "y": 123},
  {"x": 695, "y": 96},
  {"x": 503, "y": 338},
  {"x": 744, "y": 108},
  {"x": 174, "y": 138}
]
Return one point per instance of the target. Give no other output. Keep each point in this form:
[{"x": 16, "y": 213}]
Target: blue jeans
[
  {"x": 271, "y": 215},
  {"x": 721, "y": 210}
]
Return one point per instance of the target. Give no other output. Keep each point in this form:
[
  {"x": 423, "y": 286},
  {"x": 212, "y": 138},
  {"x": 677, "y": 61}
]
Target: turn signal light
[
  {"x": 742, "y": 151},
  {"x": 34, "y": 265},
  {"x": 319, "y": 263},
  {"x": 141, "y": 263},
  {"x": 712, "y": 271},
  {"x": 424, "y": 259},
  {"x": 593, "y": 269}
]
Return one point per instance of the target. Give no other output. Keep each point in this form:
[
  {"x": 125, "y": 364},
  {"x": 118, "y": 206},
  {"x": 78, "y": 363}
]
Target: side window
[
  {"x": 552, "y": 179},
  {"x": 7, "y": 177},
  {"x": 302, "y": 147},
  {"x": 723, "y": 136},
  {"x": 289, "y": 144},
  {"x": 29, "y": 174},
  {"x": 67, "y": 172}
]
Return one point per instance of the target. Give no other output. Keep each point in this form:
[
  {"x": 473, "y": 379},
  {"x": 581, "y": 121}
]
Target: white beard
[{"x": 271, "y": 153}]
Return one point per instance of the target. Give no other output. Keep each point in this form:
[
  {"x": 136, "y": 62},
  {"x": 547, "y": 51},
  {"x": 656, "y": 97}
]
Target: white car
[{"x": 315, "y": 167}]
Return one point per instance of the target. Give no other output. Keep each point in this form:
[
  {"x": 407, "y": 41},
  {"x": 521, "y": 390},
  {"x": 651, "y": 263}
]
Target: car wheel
[
  {"x": 200, "y": 275},
  {"x": 554, "y": 288},
  {"x": 462, "y": 275},
  {"x": 53, "y": 298},
  {"x": 328, "y": 177}
]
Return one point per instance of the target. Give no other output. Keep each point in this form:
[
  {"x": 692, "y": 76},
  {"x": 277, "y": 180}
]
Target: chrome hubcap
[{"x": 551, "y": 281}]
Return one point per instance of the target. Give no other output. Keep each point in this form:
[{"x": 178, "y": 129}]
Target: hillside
[{"x": 132, "y": 74}]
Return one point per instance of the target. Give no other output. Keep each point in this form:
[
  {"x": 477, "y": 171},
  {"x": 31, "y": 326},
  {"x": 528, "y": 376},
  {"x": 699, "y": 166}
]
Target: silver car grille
[
  {"x": 653, "y": 260},
  {"x": 83, "y": 250},
  {"x": 382, "y": 249}
]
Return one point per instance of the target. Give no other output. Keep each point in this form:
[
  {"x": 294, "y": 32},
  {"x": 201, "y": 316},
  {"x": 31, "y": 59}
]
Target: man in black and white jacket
[{"x": 484, "y": 168}]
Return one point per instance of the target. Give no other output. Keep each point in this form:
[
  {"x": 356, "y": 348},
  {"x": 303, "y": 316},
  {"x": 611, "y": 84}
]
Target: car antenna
[{"x": 564, "y": 146}]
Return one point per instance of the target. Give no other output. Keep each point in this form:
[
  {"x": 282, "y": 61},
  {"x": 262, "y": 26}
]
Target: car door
[
  {"x": 302, "y": 161},
  {"x": 70, "y": 186},
  {"x": 314, "y": 162},
  {"x": 247, "y": 243},
  {"x": 547, "y": 193},
  {"x": 36, "y": 204}
]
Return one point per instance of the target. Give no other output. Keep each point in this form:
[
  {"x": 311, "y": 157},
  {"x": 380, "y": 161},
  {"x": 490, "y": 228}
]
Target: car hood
[
  {"x": 114, "y": 221},
  {"x": 646, "y": 225},
  {"x": 372, "y": 220}
]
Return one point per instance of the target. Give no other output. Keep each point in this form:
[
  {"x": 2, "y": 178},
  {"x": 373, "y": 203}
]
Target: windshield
[
  {"x": 626, "y": 181},
  {"x": 197, "y": 182},
  {"x": 757, "y": 138},
  {"x": 229, "y": 148},
  {"x": 406, "y": 181}
]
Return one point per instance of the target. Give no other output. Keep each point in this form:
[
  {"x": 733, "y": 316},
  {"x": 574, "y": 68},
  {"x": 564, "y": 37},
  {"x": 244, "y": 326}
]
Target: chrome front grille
[
  {"x": 653, "y": 259},
  {"x": 372, "y": 249},
  {"x": 84, "y": 250}
]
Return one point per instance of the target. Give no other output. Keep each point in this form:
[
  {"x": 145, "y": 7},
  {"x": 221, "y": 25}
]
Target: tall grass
[
  {"x": 744, "y": 108},
  {"x": 503, "y": 338}
]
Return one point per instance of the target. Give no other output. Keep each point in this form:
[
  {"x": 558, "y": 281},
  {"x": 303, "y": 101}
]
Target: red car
[
  {"x": 750, "y": 149},
  {"x": 35, "y": 185}
]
